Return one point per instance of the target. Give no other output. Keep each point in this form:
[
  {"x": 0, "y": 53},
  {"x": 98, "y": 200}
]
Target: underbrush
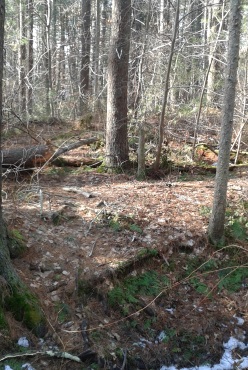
[{"x": 151, "y": 301}]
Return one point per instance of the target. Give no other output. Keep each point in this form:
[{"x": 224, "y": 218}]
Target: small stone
[
  {"x": 55, "y": 298},
  {"x": 66, "y": 273}
]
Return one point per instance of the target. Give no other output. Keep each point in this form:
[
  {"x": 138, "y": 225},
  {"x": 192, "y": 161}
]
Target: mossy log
[
  {"x": 18, "y": 298},
  {"x": 33, "y": 156}
]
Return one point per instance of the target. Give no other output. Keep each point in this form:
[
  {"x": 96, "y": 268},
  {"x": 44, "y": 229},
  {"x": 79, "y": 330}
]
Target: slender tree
[
  {"x": 166, "y": 88},
  {"x": 217, "y": 218},
  {"x": 23, "y": 55},
  {"x": 2, "y": 19},
  {"x": 116, "y": 131},
  {"x": 30, "y": 55}
]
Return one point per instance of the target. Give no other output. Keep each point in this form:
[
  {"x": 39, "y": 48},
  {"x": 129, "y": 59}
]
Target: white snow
[
  {"x": 23, "y": 342},
  {"x": 240, "y": 321},
  {"x": 27, "y": 366},
  {"x": 170, "y": 310},
  {"x": 226, "y": 362}
]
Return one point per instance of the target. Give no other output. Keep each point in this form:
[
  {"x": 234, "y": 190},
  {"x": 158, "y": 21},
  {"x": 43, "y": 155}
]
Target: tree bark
[
  {"x": 217, "y": 218},
  {"x": 116, "y": 130},
  {"x": 85, "y": 57},
  {"x": 16, "y": 297},
  {"x": 30, "y": 6}
]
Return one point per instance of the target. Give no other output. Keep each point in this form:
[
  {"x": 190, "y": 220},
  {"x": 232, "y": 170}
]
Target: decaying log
[
  {"x": 37, "y": 155},
  {"x": 69, "y": 160},
  {"x": 26, "y": 157}
]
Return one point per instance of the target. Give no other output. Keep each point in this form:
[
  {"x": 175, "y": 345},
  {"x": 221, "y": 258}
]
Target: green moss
[
  {"x": 16, "y": 243},
  {"x": 26, "y": 308}
]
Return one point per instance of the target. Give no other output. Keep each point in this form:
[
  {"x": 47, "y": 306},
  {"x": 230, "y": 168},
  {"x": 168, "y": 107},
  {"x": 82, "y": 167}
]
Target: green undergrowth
[
  {"x": 230, "y": 272},
  {"x": 188, "y": 346},
  {"x": 119, "y": 222},
  {"x": 63, "y": 311},
  {"x": 127, "y": 292},
  {"x": 13, "y": 364}
]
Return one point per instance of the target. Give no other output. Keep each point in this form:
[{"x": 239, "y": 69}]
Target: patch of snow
[
  {"x": 240, "y": 321},
  {"x": 161, "y": 336},
  {"x": 23, "y": 342},
  {"x": 27, "y": 366},
  {"x": 7, "y": 367},
  {"x": 170, "y": 310},
  {"x": 226, "y": 362}
]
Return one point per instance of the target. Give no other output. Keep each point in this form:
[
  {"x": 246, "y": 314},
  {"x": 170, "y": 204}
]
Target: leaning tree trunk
[{"x": 14, "y": 295}]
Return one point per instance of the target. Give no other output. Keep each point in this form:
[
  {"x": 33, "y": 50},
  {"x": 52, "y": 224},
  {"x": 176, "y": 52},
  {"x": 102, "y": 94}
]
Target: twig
[
  {"x": 124, "y": 359},
  {"x": 92, "y": 249},
  {"x": 50, "y": 353},
  {"x": 84, "y": 327}
]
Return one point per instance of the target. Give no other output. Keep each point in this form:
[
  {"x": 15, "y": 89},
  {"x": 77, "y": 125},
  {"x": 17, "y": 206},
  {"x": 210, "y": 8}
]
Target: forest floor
[{"x": 123, "y": 267}]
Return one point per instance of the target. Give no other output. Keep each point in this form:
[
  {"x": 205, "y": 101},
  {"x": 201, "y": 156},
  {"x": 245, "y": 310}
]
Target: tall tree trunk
[
  {"x": 48, "y": 61},
  {"x": 17, "y": 298},
  {"x": 97, "y": 51},
  {"x": 23, "y": 56},
  {"x": 30, "y": 56},
  {"x": 117, "y": 152},
  {"x": 85, "y": 56},
  {"x": 2, "y": 19},
  {"x": 217, "y": 218}
]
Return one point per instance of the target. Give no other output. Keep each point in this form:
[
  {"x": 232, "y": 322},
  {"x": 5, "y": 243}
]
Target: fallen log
[
  {"x": 76, "y": 161},
  {"x": 34, "y": 156}
]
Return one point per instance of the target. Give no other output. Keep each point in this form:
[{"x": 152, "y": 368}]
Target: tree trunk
[
  {"x": 85, "y": 57},
  {"x": 166, "y": 89},
  {"x": 23, "y": 57},
  {"x": 48, "y": 61},
  {"x": 15, "y": 296},
  {"x": 217, "y": 218},
  {"x": 30, "y": 56},
  {"x": 116, "y": 130}
]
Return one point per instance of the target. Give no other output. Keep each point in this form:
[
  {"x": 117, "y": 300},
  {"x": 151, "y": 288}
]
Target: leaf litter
[{"x": 74, "y": 238}]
